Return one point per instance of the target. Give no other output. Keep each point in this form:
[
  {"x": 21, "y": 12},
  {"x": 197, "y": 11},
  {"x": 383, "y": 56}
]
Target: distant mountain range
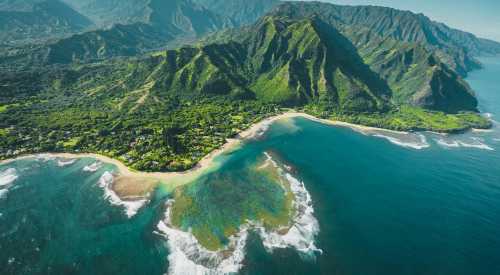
[
  {"x": 31, "y": 21},
  {"x": 118, "y": 68},
  {"x": 391, "y": 54}
]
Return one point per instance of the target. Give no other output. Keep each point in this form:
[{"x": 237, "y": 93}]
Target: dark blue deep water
[{"x": 382, "y": 208}]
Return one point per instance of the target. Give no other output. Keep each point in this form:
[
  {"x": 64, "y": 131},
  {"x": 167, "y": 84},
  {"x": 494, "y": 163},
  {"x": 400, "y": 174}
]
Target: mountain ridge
[
  {"x": 405, "y": 26},
  {"x": 166, "y": 109},
  {"x": 39, "y": 21}
]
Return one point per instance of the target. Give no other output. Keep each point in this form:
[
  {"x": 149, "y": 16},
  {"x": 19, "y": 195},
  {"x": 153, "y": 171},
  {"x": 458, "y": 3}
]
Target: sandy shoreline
[{"x": 130, "y": 183}]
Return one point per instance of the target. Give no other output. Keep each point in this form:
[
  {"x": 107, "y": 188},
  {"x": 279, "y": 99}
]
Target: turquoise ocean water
[{"x": 382, "y": 205}]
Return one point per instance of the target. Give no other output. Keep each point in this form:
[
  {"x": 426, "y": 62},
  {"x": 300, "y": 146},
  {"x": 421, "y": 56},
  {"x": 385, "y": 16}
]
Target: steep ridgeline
[
  {"x": 106, "y": 13},
  {"x": 290, "y": 63},
  {"x": 418, "y": 72},
  {"x": 166, "y": 111},
  {"x": 455, "y": 48},
  {"x": 23, "y": 22},
  {"x": 241, "y": 12},
  {"x": 186, "y": 16},
  {"x": 161, "y": 22}
]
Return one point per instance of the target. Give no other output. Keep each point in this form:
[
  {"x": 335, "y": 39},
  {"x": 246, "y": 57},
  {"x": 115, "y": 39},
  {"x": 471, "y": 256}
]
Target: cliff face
[{"x": 456, "y": 48}]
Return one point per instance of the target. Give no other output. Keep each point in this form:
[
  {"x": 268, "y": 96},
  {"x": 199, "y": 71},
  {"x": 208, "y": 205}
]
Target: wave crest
[
  {"x": 131, "y": 207},
  {"x": 187, "y": 256},
  {"x": 92, "y": 167},
  {"x": 419, "y": 144},
  {"x": 65, "y": 162},
  {"x": 7, "y": 177},
  {"x": 477, "y": 143}
]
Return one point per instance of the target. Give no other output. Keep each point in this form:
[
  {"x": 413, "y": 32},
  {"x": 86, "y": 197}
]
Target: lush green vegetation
[
  {"x": 407, "y": 118},
  {"x": 164, "y": 112},
  {"x": 170, "y": 139}
]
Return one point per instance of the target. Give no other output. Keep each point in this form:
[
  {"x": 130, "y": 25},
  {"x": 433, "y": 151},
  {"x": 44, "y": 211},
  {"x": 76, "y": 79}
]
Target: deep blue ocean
[{"x": 382, "y": 205}]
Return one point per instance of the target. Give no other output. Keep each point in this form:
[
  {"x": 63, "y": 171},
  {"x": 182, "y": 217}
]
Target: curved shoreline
[{"x": 130, "y": 180}]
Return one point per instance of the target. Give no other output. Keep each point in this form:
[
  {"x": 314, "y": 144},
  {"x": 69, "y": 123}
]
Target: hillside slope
[
  {"x": 27, "y": 22},
  {"x": 456, "y": 48},
  {"x": 165, "y": 22},
  {"x": 241, "y": 12}
]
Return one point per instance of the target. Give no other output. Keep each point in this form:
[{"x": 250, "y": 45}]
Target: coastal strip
[{"x": 129, "y": 183}]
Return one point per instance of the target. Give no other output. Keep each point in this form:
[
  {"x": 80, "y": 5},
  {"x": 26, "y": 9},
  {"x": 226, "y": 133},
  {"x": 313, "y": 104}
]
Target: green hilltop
[{"x": 165, "y": 110}]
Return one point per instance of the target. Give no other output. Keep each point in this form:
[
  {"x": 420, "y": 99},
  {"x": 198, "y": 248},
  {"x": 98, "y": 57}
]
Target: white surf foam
[
  {"x": 305, "y": 226},
  {"x": 301, "y": 236},
  {"x": 92, "y": 167},
  {"x": 418, "y": 145},
  {"x": 187, "y": 256},
  {"x": 262, "y": 129},
  {"x": 8, "y": 176},
  {"x": 131, "y": 207},
  {"x": 448, "y": 143},
  {"x": 477, "y": 143},
  {"x": 45, "y": 157},
  {"x": 65, "y": 162}
]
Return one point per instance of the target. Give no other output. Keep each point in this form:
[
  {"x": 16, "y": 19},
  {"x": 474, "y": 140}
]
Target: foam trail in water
[
  {"x": 131, "y": 207},
  {"x": 418, "y": 145},
  {"x": 476, "y": 143},
  {"x": 65, "y": 162},
  {"x": 8, "y": 176},
  {"x": 45, "y": 157},
  {"x": 187, "y": 256},
  {"x": 448, "y": 143},
  {"x": 305, "y": 228},
  {"x": 92, "y": 167}
]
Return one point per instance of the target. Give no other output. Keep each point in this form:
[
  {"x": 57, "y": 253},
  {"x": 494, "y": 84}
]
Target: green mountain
[
  {"x": 24, "y": 22},
  {"x": 110, "y": 12},
  {"x": 241, "y": 12},
  {"x": 165, "y": 111},
  {"x": 412, "y": 74},
  {"x": 456, "y": 48},
  {"x": 165, "y": 22}
]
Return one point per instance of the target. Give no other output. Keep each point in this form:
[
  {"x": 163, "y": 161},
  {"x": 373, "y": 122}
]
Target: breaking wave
[
  {"x": 131, "y": 207},
  {"x": 7, "y": 177},
  {"x": 187, "y": 256},
  {"x": 447, "y": 143},
  {"x": 476, "y": 142},
  {"x": 305, "y": 228},
  {"x": 419, "y": 143},
  {"x": 65, "y": 162},
  {"x": 93, "y": 167},
  {"x": 45, "y": 157}
]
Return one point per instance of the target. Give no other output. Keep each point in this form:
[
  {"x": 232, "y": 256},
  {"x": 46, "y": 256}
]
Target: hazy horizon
[{"x": 478, "y": 17}]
